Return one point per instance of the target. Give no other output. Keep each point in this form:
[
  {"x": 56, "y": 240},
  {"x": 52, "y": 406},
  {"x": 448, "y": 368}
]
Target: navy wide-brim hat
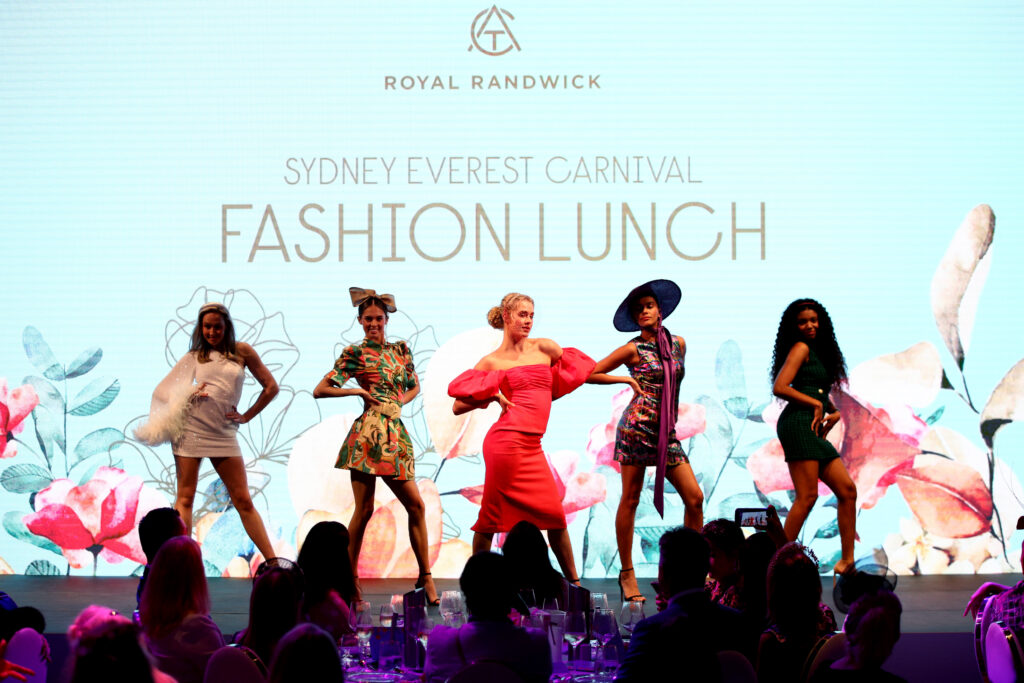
[{"x": 666, "y": 292}]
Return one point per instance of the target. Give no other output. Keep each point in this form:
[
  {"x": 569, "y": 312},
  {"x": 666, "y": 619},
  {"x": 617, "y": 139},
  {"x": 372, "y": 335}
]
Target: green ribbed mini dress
[{"x": 799, "y": 442}]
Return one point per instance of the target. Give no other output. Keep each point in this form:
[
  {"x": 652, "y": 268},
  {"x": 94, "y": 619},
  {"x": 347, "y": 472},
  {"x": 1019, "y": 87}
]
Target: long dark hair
[
  {"x": 325, "y": 563},
  {"x": 199, "y": 343},
  {"x": 825, "y": 344},
  {"x": 175, "y": 588},
  {"x": 273, "y": 610},
  {"x": 528, "y": 554}
]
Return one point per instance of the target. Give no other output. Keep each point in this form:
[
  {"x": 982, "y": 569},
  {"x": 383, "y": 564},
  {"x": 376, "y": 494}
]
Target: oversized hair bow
[{"x": 360, "y": 295}]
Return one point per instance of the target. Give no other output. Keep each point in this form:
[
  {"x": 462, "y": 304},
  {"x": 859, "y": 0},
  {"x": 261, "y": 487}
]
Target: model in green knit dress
[
  {"x": 378, "y": 444},
  {"x": 807, "y": 365}
]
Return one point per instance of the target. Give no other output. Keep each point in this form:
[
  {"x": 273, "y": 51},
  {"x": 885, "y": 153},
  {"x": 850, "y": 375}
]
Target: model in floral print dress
[{"x": 378, "y": 445}]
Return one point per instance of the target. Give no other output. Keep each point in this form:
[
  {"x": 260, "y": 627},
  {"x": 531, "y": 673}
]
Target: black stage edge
[{"x": 937, "y": 642}]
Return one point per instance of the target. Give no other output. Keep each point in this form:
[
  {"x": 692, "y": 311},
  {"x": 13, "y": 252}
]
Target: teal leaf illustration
[
  {"x": 42, "y": 568},
  {"x": 48, "y": 431},
  {"x": 217, "y": 493},
  {"x": 90, "y": 471},
  {"x": 49, "y": 395},
  {"x": 755, "y": 413},
  {"x": 732, "y": 384},
  {"x": 96, "y": 396},
  {"x": 829, "y": 530},
  {"x": 828, "y": 563},
  {"x": 85, "y": 362},
  {"x": 227, "y": 539},
  {"x": 40, "y": 355},
  {"x": 100, "y": 441},
  {"x": 17, "y": 529},
  {"x": 727, "y": 508},
  {"x": 25, "y": 478},
  {"x": 934, "y": 417}
]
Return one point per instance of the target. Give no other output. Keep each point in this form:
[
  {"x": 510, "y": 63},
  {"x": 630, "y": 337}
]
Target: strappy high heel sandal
[
  {"x": 421, "y": 582},
  {"x": 622, "y": 591}
]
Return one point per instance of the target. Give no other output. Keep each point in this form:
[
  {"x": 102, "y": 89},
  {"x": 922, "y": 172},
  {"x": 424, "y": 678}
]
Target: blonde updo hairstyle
[{"x": 496, "y": 316}]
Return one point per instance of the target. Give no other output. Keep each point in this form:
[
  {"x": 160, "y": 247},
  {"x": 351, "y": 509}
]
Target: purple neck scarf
[{"x": 669, "y": 412}]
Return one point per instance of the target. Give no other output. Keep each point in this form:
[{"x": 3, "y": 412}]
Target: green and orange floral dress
[{"x": 378, "y": 442}]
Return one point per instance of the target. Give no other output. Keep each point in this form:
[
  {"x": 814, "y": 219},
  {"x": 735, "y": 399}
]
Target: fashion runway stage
[{"x": 936, "y": 645}]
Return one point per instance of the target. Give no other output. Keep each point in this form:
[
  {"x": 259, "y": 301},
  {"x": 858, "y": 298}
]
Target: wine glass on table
[
  {"x": 631, "y": 615},
  {"x": 575, "y": 631},
  {"x": 387, "y": 615},
  {"x": 423, "y": 629},
  {"x": 361, "y": 618},
  {"x": 397, "y": 607},
  {"x": 605, "y": 628},
  {"x": 550, "y": 604},
  {"x": 451, "y": 602}
]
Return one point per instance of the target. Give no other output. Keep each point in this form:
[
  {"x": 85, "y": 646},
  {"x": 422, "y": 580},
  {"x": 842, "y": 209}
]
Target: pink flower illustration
[
  {"x": 871, "y": 441},
  {"x": 99, "y": 518},
  {"x": 691, "y": 421},
  {"x": 15, "y": 406}
]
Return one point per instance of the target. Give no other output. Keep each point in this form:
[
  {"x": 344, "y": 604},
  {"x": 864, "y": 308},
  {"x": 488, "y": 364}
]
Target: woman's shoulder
[{"x": 548, "y": 346}]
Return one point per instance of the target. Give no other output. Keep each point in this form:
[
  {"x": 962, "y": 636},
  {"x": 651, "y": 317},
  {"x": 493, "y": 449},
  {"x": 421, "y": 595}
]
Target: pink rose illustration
[
  {"x": 98, "y": 518},
  {"x": 871, "y": 441},
  {"x": 15, "y": 406},
  {"x": 690, "y": 421}
]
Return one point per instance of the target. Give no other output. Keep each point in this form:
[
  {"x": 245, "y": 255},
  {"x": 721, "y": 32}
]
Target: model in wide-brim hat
[{"x": 646, "y": 435}]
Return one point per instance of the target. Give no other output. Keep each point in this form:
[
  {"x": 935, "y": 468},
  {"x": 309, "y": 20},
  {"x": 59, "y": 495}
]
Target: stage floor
[
  {"x": 937, "y": 642},
  {"x": 931, "y": 604}
]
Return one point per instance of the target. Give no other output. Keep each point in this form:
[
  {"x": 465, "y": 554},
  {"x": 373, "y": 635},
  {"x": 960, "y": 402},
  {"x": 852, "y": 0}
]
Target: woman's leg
[
  {"x": 683, "y": 479},
  {"x": 482, "y": 542},
  {"x": 835, "y": 476},
  {"x": 558, "y": 539},
  {"x": 409, "y": 496},
  {"x": 625, "y": 518},
  {"x": 187, "y": 472},
  {"x": 805, "y": 480},
  {"x": 363, "y": 486},
  {"x": 232, "y": 473}
]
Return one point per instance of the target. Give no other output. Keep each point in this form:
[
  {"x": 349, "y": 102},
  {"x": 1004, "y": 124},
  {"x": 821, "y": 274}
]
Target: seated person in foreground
[
  {"x": 490, "y": 588},
  {"x": 872, "y": 628},
  {"x": 1008, "y": 605},
  {"x": 797, "y": 617},
  {"x": 175, "y": 612},
  {"x": 686, "y": 636},
  {"x": 527, "y": 550},
  {"x": 155, "y": 528}
]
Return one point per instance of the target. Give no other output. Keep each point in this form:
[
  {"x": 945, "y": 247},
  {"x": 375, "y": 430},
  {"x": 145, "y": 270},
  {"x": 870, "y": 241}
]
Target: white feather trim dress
[{"x": 196, "y": 428}]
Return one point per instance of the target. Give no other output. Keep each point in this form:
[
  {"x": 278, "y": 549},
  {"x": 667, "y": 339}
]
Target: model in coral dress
[
  {"x": 524, "y": 375},
  {"x": 518, "y": 484}
]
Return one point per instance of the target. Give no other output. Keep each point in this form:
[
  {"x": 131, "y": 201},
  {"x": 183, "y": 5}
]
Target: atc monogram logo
[{"x": 491, "y": 34}]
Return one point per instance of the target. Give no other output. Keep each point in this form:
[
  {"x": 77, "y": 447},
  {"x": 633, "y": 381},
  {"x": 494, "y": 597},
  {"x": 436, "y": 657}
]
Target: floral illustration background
[{"x": 77, "y": 482}]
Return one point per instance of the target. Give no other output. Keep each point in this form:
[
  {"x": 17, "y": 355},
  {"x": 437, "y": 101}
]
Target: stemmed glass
[
  {"x": 387, "y": 614},
  {"x": 361, "y": 618},
  {"x": 397, "y": 606},
  {"x": 631, "y": 615},
  {"x": 605, "y": 628},
  {"x": 598, "y": 601},
  {"x": 575, "y": 631},
  {"x": 550, "y": 604},
  {"x": 451, "y": 604},
  {"x": 423, "y": 629}
]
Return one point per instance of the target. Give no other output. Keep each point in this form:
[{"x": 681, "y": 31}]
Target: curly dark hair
[{"x": 825, "y": 345}]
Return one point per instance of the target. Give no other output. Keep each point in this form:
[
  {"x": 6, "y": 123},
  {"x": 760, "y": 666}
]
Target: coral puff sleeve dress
[{"x": 518, "y": 484}]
